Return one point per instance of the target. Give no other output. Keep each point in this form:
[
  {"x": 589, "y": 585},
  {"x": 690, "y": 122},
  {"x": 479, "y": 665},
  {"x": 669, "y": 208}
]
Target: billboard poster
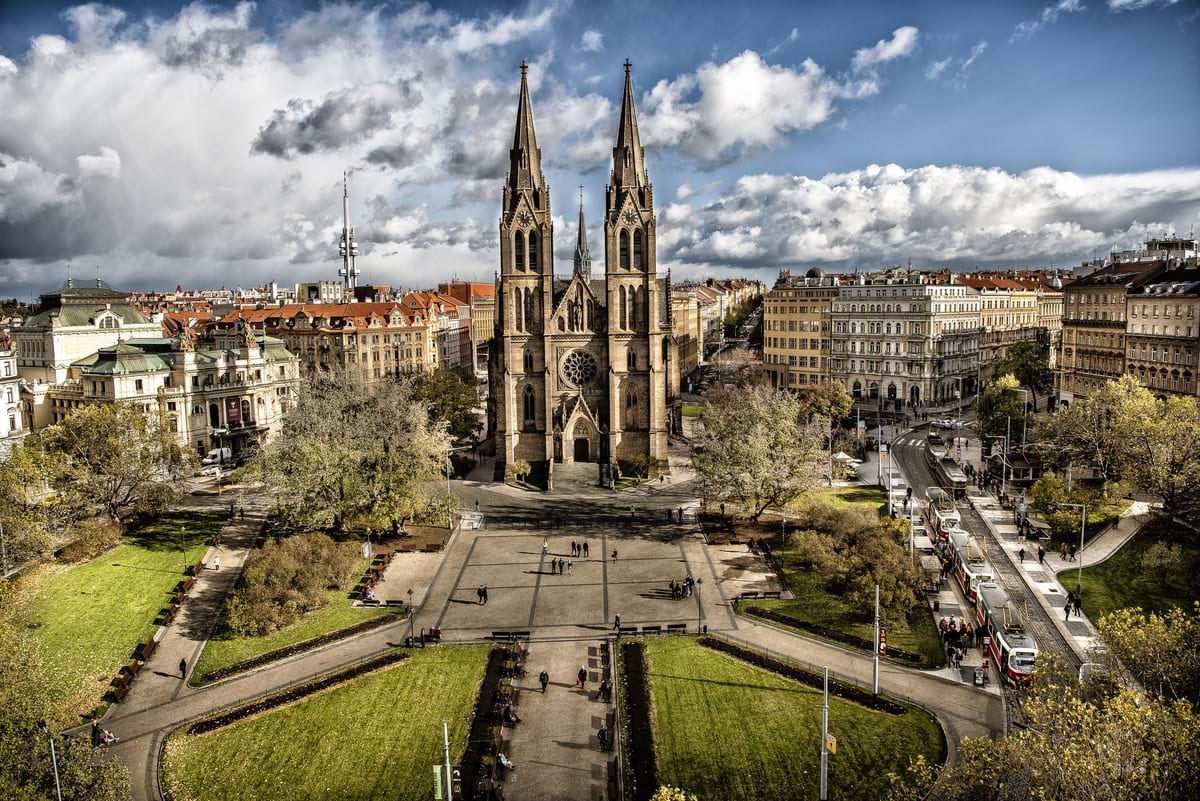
[{"x": 233, "y": 411}]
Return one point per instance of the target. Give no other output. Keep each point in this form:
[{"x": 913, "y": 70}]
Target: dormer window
[{"x": 109, "y": 321}]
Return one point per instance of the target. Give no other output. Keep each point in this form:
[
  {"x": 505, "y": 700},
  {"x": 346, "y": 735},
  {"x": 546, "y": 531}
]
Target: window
[
  {"x": 137, "y": 384},
  {"x": 528, "y": 406},
  {"x": 519, "y": 251}
]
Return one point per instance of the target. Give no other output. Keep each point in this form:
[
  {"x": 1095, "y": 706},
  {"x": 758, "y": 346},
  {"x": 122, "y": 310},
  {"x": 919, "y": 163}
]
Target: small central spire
[{"x": 583, "y": 254}]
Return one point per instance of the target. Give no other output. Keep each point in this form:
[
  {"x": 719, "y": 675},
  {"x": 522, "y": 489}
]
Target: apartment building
[
  {"x": 12, "y": 417},
  {"x": 1163, "y": 328},
  {"x": 797, "y": 315}
]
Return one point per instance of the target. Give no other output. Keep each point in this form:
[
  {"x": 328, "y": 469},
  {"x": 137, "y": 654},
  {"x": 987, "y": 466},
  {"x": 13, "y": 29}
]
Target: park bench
[
  {"x": 747, "y": 596},
  {"x": 394, "y": 602},
  {"x": 771, "y": 594},
  {"x": 148, "y": 649},
  {"x": 187, "y": 585},
  {"x": 408, "y": 548},
  {"x": 628, "y": 630},
  {"x": 651, "y": 629},
  {"x": 677, "y": 628},
  {"x": 133, "y": 668},
  {"x": 432, "y": 548},
  {"x": 119, "y": 693}
]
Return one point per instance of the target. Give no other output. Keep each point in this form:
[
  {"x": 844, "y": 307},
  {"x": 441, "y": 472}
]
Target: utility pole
[
  {"x": 875, "y": 658},
  {"x": 449, "y": 777},
  {"x": 825, "y": 740}
]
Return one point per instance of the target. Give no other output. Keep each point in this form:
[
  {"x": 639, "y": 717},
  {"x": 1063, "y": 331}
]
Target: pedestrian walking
[
  {"x": 1041, "y": 555},
  {"x": 632, "y": 513},
  {"x": 544, "y": 678},
  {"x": 581, "y": 677},
  {"x": 1071, "y": 553},
  {"x": 242, "y": 512},
  {"x": 616, "y": 622},
  {"x": 485, "y": 596},
  {"x": 561, "y": 563},
  {"x": 661, "y": 479},
  {"x": 1021, "y": 554},
  {"x": 574, "y": 547},
  {"x": 476, "y": 506},
  {"x": 1067, "y": 611},
  {"x": 614, "y": 554},
  {"x": 602, "y": 735},
  {"x": 545, "y": 545},
  {"x": 570, "y": 564},
  {"x": 1062, "y": 552},
  {"x": 585, "y": 549},
  {"x": 183, "y": 668},
  {"x": 680, "y": 514},
  {"x": 1078, "y": 606},
  {"x": 216, "y": 563},
  {"x": 479, "y": 594}
]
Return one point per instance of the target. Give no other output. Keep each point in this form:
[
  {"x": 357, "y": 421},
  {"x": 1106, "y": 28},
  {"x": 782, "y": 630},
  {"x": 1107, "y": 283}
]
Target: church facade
[{"x": 581, "y": 369}]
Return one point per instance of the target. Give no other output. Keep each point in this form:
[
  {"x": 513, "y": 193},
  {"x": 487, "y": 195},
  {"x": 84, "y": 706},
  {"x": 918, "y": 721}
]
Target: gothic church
[{"x": 581, "y": 369}]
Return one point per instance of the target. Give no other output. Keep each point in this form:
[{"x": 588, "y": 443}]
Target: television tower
[{"x": 348, "y": 249}]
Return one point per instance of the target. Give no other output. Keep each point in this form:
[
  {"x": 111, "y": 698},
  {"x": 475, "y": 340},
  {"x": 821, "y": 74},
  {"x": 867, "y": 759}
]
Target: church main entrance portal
[{"x": 581, "y": 449}]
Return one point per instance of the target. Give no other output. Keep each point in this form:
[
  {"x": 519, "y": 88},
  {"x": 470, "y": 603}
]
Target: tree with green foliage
[
  {"x": 828, "y": 400},
  {"x": 352, "y": 449},
  {"x": 999, "y": 403},
  {"x": 26, "y": 503},
  {"x": 1161, "y": 652},
  {"x": 26, "y": 771},
  {"x": 668, "y": 793},
  {"x": 1029, "y": 363},
  {"x": 119, "y": 456},
  {"x": 1046, "y": 497},
  {"x": 755, "y": 449},
  {"x": 521, "y": 469},
  {"x": 450, "y": 400}
]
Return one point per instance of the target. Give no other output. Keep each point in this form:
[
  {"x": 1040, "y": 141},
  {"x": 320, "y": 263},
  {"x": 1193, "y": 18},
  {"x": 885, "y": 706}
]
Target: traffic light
[{"x": 985, "y": 449}]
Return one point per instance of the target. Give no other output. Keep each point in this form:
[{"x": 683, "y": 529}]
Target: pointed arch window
[
  {"x": 641, "y": 316},
  {"x": 631, "y": 409},
  {"x": 624, "y": 307},
  {"x": 529, "y": 408},
  {"x": 533, "y": 250},
  {"x": 624, "y": 240},
  {"x": 527, "y": 361},
  {"x": 638, "y": 257},
  {"x": 631, "y": 360},
  {"x": 519, "y": 250},
  {"x": 518, "y": 310},
  {"x": 528, "y": 310}
]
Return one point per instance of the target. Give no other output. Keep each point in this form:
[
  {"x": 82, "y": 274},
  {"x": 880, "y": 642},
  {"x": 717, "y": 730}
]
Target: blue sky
[{"x": 204, "y": 144}]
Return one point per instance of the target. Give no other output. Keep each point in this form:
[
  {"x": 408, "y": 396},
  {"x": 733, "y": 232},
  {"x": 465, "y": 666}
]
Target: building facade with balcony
[
  {"x": 1162, "y": 331},
  {"x": 12, "y": 414}
]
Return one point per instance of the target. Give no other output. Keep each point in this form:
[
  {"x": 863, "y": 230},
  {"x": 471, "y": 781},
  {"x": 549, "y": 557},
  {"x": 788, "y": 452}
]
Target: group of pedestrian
[
  {"x": 557, "y": 566},
  {"x": 579, "y": 549},
  {"x": 1074, "y": 604},
  {"x": 682, "y": 589},
  {"x": 482, "y": 594},
  {"x": 957, "y": 636},
  {"x": 1067, "y": 553}
]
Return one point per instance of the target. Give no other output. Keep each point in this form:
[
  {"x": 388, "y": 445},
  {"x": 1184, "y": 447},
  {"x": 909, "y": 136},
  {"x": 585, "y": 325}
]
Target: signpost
[{"x": 882, "y": 641}]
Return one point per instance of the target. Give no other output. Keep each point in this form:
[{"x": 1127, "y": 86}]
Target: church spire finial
[
  {"x": 583, "y": 254},
  {"x": 525, "y": 158}
]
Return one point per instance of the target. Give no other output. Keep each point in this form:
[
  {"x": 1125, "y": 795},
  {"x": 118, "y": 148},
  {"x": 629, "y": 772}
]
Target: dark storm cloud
[{"x": 340, "y": 119}]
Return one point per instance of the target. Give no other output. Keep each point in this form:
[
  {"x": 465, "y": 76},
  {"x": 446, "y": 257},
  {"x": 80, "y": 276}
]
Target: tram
[
  {"x": 941, "y": 511},
  {"x": 1011, "y": 647},
  {"x": 970, "y": 567}
]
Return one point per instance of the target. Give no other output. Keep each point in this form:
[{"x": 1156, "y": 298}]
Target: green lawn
[
  {"x": 1122, "y": 581},
  {"x": 373, "y": 738},
  {"x": 813, "y": 604},
  {"x": 728, "y": 731},
  {"x": 86, "y": 620},
  {"x": 226, "y": 649}
]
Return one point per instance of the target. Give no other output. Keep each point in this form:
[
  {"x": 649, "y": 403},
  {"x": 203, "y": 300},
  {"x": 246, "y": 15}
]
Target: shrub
[
  {"x": 92, "y": 538},
  {"x": 287, "y": 578}
]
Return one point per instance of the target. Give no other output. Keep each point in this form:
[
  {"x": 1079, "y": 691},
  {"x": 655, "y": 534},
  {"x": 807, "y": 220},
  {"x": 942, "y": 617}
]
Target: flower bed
[
  {"x": 640, "y": 732},
  {"x": 481, "y": 741},
  {"x": 837, "y": 688},
  {"x": 296, "y": 693},
  {"x": 831, "y": 634},
  {"x": 297, "y": 648}
]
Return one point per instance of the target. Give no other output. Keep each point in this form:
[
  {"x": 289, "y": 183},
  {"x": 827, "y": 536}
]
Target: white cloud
[
  {"x": 592, "y": 41},
  {"x": 903, "y": 43},
  {"x": 789, "y": 39},
  {"x": 1048, "y": 16},
  {"x": 107, "y": 164},
  {"x": 1134, "y": 5},
  {"x": 954, "y": 71},
  {"x": 952, "y": 216}
]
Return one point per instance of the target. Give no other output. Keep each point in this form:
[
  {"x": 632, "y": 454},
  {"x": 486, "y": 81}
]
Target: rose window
[{"x": 579, "y": 368}]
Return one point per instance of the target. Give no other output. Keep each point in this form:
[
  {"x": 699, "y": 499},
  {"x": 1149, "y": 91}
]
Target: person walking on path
[
  {"x": 544, "y": 678},
  {"x": 632, "y": 513},
  {"x": 1062, "y": 552},
  {"x": 585, "y": 549},
  {"x": 581, "y": 678},
  {"x": 614, "y": 554},
  {"x": 476, "y": 505},
  {"x": 1071, "y": 553},
  {"x": 485, "y": 596},
  {"x": 1078, "y": 606},
  {"x": 602, "y": 735},
  {"x": 616, "y": 622},
  {"x": 1041, "y": 555},
  {"x": 570, "y": 564},
  {"x": 545, "y": 546},
  {"x": 183, "y": 668},
  {"x": 574, "y": 547},
  {"x": 1067, "y": 607},
  {"x": 216, "y": 563},
  {"x": 1021, "y": 554}
]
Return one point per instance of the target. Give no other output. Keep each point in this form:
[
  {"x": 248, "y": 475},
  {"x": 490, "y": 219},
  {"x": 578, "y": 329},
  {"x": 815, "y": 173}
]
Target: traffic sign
[{"x": 831, "y": 743}]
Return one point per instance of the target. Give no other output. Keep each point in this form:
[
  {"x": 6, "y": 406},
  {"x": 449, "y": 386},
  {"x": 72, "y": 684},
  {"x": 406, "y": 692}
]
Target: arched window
[
  {"x": 638, "y": 263},
  {"x": 518, "y": 310},
  {"x": 631, "y": 360},
  {"x": 533, "y": 250},
  {"x": 246, "y": 411},
  {"x": 641, "y": 316},
  {"x": 624, "y": 308},
  {"x": 631, "y": 409},
  {"x": 519, "y": 251},
  {"x": 214, "y": 415},
  {"x": 624, "y": 239},
  {"x": 529, "y": 310},
  {"x": 529, "y": 409},
  {"x": 527, "y": 362}
]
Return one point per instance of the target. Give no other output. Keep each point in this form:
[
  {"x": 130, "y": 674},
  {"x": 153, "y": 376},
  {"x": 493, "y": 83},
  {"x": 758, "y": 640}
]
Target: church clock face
[
  {"x": 525, "y": 219},
  {"x": 630, "y": 217},
  {"x": 579, "y": 368}
]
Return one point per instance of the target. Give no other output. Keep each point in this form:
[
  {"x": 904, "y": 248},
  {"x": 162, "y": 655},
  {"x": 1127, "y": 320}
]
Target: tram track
[{"x": 1037, "y": 620}]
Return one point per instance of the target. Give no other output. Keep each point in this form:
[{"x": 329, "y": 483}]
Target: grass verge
[
  {"x": 727, "y": 730},
  {"x": 1122, "y": 581},
  {"x": 223, "y": 650},
  {"x": 85, "y": 620},
  {"x": 374, "y": 738},
  {"x": 813, "y": 604}
]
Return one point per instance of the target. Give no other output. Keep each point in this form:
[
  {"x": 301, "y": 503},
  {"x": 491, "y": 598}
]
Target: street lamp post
[
  {"x": 53, "y": 759},
  {"x": 183, "y": 546},
  {"x": 1082, "y": 528},
  {"x": 699, "y": 581},
  {"x": 1004, "y": 458},
  {"x": 410, "y": 617}
]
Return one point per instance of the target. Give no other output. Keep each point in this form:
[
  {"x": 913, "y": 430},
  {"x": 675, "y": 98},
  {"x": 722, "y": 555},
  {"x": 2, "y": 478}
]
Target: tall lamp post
[
  {"x": 699, "y": 581},
  {"x": 53, "y": 759},
  {"x": 1082, "y": 527},
  {"x": 410, "y": 618}
]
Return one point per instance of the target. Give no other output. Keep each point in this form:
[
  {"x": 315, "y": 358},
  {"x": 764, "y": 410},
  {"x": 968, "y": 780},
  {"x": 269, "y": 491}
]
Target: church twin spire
[
  {"x": 629, "y": 157},
  {"x": 583, "y": 254},
  {"x": 525, "y": 158}
]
